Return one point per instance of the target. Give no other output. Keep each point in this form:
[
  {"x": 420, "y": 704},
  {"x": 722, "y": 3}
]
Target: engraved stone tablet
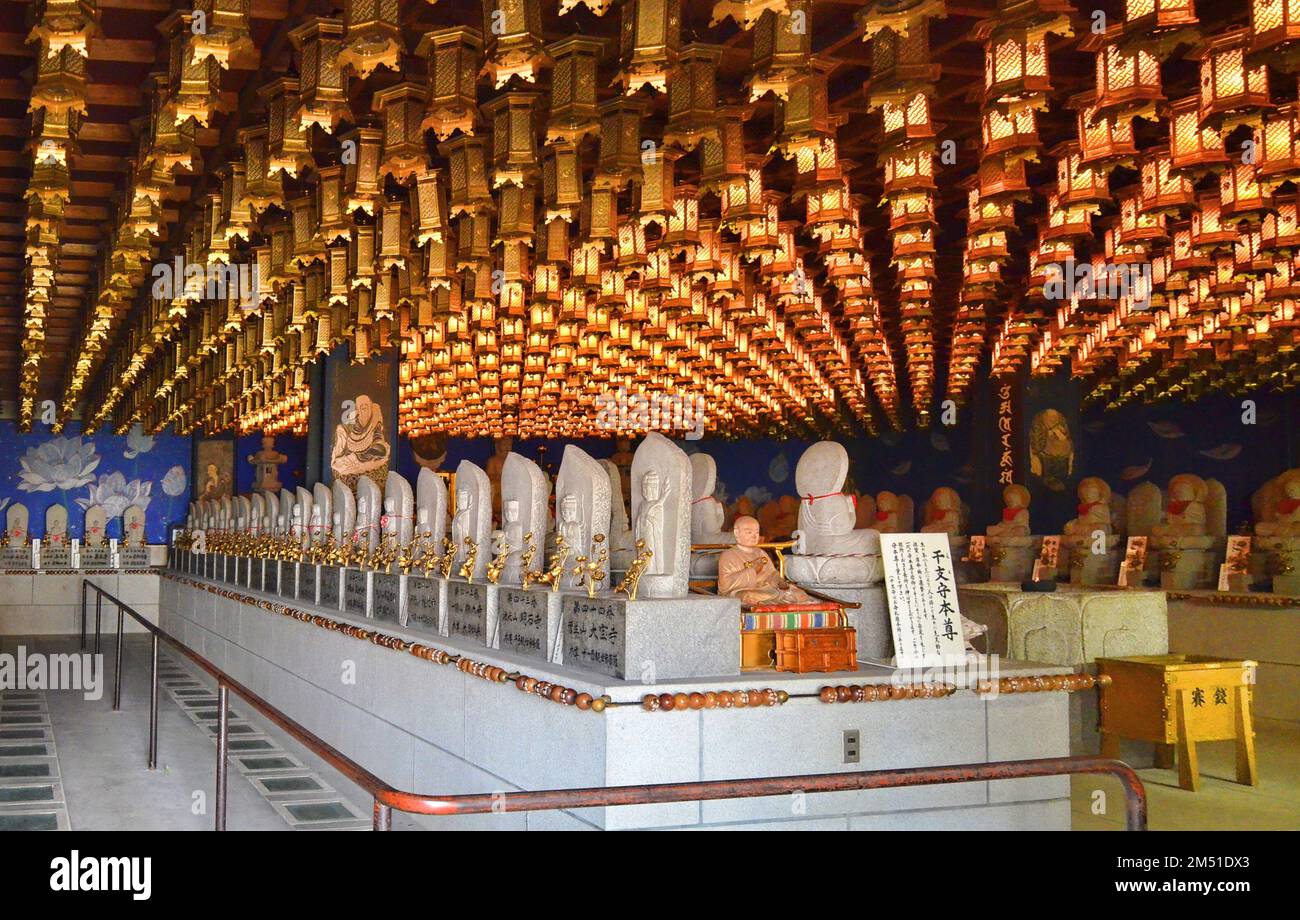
[
  {"x": 425, "y": 602},
  {"x": 471, "y": 610},
  {"x": 330, "y": 581},
  {"x": 289, "y": 579},
  {"x": 307, "y": 581},
  {"x": 257, "y": 576},
  {"x": 55, "y": 557},
  {"x": 17, "y": 557},
  {"x": 137, "y": 557},
  {"x": 95, "y": 557},
  {"x": 386, "y": 597},
  {"x": 595, "y": 632},
  {"x": 356, "y": 592},
  {"x": 529, "y": 621}
]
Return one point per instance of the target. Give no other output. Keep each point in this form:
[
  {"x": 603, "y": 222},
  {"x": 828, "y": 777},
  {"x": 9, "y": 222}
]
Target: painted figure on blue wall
[
  {"x": 1051, "y": 449},
  {"x": 360, "y": 445}
]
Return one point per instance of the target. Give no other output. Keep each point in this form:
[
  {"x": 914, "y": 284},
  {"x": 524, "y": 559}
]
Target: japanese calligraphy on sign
[
  {"x": 922, "y": 595},
  {"x": 1006, "y": 436}
]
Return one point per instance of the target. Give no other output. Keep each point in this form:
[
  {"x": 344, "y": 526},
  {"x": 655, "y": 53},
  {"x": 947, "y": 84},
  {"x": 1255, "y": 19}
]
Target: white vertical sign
[{"x": 922, "y": 594}]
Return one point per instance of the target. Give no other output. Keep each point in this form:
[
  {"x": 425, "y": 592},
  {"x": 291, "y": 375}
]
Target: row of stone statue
[
  {"x": 590, "y": 527},
  {"x": 94, "y": 526}
]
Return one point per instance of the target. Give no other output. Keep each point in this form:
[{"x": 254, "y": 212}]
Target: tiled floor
[
  {"x": 1220, "y": 803},
  {"x": 99, "y": 778}
]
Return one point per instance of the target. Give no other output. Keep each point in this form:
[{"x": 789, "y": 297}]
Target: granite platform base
[{"x": 437, "y": 729}]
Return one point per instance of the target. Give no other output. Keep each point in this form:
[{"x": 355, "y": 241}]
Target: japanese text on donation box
[{"x": 922, "y": 595}]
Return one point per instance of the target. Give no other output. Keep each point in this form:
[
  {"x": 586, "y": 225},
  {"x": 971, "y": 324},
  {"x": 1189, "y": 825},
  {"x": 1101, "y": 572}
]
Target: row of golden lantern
[
  {"x": 1189, "y": 286},
  {"x": 521, "y": 288},
  {"x": 58, "y": 103}
]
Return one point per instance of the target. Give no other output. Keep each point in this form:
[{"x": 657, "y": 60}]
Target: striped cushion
[{"x": 807, "y": 619}]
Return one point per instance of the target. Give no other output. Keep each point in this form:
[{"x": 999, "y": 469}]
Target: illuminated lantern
[
  {"x": 372, "y": 36},
  {"x": 900, "y": 62},
  {"x": 262, "y": 188},
  {"x": 573, "y": 113},
  {"x": 323, "y": 96},
  {"x": 514, "y": 39},
  {"x": 1104, "y": 143},
  {"x": 1193, "y": 147},
  {"x": 1127, "y": 79},
  {"x": 803, "y": 117},
  {"x": 620, "y": 141},
  {"x": 403, "y": 106},
  {"x": 226, "y": 38},
  {"x": 469, "y": 190},
  {"x": 1277, "y": 155},
  {"x": 1162, "y": 188},
  {"x": 514, "y": 138},
  {"x": 693, "y": 96},
  {"x": 453, "y": 65},
  {"x": 429, "y": 207},
  {"x": 1241, "y": 195},
  {"x": 648, "y": 45},
  {"x": 288, "y": 144},
  {"x": 1275, "y": 32},
  {"x": 1231, "y": 90},
  {"x": 782, "y": 43}
]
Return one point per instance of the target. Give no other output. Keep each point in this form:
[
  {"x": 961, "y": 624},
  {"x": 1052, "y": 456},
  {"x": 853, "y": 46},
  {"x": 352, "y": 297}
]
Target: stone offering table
[
  {"x": 1071, "y": 626},
  {"x": 1261, "y": 627},
  {"x": 442, "y": 728}
]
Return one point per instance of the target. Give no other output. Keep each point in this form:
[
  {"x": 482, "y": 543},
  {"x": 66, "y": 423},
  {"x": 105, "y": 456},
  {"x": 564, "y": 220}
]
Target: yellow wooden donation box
[{"x": 1176, "y": 701}]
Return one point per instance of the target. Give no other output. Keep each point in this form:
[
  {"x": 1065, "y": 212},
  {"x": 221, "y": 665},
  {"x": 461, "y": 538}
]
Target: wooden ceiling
[{"x": 131, "y": 47}]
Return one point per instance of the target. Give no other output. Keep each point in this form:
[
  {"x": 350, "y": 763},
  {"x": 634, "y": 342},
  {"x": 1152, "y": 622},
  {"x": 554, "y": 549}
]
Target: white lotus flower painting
[
  {"x": 137, "y": 442},
  {"x": 59, "y": 463},
  {"x": 115, "y": 494}
]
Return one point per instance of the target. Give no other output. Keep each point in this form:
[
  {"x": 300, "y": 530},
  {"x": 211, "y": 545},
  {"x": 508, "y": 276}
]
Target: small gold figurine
[
  {"x": 448, "y": 557},
  {"x": 526, "y": 557},
  {"x": 632, "y": 577},
  {"x": 552, "y": 576},
  {"x": 501, "y": 548},
  {"x": 471, "y": 556},
  {"x": 591, "y": 571}
]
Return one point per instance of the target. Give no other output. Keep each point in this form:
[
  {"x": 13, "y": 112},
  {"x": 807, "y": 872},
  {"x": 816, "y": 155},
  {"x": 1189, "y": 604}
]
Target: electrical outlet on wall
[{"x": 852, "y": 745}]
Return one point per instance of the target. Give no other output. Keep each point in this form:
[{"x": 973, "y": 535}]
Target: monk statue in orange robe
[{"x": 747, "y": 572}]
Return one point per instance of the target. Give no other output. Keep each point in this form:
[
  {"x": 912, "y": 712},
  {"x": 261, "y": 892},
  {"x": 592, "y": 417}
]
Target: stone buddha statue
[
  {"x": 1015, "y": 513},
  {"x": 1185, "y": 514},
  {"x": 1280, "y": 511},
  {"x": 747, "y": 572},
  {"x": 1094, "y": 510},
  {"x": 828, "y": 549},
  {"x": 943, "y": 512}
]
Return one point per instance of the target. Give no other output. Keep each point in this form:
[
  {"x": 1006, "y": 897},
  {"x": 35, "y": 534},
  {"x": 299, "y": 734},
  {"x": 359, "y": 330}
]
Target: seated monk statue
[
  {"x": 747, "y": 572},
  {"x": 1094, "y": 510},
  {"x": 943, "y": 512},
  {"x": 1282, "y": 513},
  {"x": 1015, "y": 513},
  {"x": 1185, "y": 510}
]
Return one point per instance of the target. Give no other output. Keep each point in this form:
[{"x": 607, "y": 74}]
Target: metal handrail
[{"x": 386, "y": 798}]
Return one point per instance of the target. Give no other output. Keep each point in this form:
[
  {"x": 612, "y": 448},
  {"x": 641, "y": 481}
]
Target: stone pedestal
[
  {"x": 426, "y": 605},
  {"x": 135, "y": 557},
  {"x": 1012, "y": 558},
  {"x": 94, "y": 557},
  {"x": 528, "y": 621},
  {"x": 308, "y": 580},
  {"x": 356, "y": 592},
  {"x": 870, "y": 619},
  {"x": 1089, "y": 569},
  {"x": 472, "y": 611},
  {"x": 1070, "y": 626},
  {"x": 651, "y": 639},
  {"x": 388, "y": 597},
  {"x": 330, "y": 587},
  {"x": 1184, "y": 567},
  {"x": 271, "y": 576},
  {"x": 851, "y": 571}
]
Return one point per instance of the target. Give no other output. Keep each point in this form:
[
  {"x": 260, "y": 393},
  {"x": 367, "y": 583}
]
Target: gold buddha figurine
[{"x": 471, "y": 556}]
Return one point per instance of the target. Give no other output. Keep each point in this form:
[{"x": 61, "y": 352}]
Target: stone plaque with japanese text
[{"x": 594, "y": 632}]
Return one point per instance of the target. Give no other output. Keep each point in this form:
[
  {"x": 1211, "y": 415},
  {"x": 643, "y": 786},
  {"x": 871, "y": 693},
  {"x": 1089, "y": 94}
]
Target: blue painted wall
[{"x": 40, "y": 469}]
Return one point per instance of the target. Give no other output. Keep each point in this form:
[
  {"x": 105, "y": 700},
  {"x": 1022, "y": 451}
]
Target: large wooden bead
[
  {"x": 666, "y": 701},
  {"x": 827, "y": 695}
]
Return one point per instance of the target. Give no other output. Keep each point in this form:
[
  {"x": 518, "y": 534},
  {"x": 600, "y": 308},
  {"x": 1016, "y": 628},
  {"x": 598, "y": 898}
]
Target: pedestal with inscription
[
  {"x": 16, "y": 557},
  {"x": 331, "y": 587},
  {"x": 256, "y": 574},
  {"x": 289, "y": 579},
  {"x": 308, "y": 579},
  {"x": 96, "y": 557},
  {"x": 56, "y": 557},
  {"x": 472, "y": 611},
  {"x": 651, "y": 639},
  {"x": 426, "y": 605},
  {"x": 528, "y": 621},
  {"x": 137, "y": 557},
  {"x": 356, "y": 592},
  {"x": 387, "y": 594}
]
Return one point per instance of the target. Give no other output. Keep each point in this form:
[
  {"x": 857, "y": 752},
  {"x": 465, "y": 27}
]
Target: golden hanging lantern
[
  {"x": 782, "y": 43},
  {"x": 403, "y": 107},
  {"x": 1193, "y": 147},
  {"x": 693, "y": 96},
  {"x": 363, "y": 185},
  {"x": 225, "y": 37},
  {"x": 323, "y": 99},
  {"x": 573, "y": 107},
  {"x": 372, "y": 36},
  {"x": 514, "y": 40},
  {"x": 650, "y": 38},
  {"x": 1232, "y": 91},
  {"x": 514, "y": 117}
]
